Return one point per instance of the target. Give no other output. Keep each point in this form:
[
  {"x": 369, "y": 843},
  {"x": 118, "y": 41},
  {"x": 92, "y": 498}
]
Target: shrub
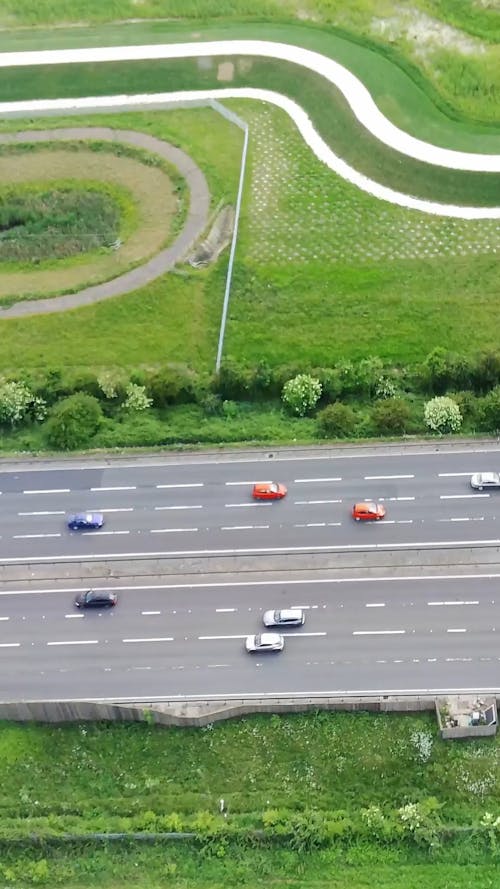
[
  {"x": 73, "y": 421},
  {"x": 301, "y": 394},
  {"x": 486, "y": 371},
  {"x": 211, "y": 405},
  {"x": 172, "y": 386},
  {"x": 112, "y": 383},
  {"x": 391, "y": 416},
  {"x": 136, "y": 398},
  {"x": 17, "y": 401},
  {"x": 443, "y": 370},
  {"x": 469, "y": 404},
  {"x": 442, "y": 414},
  {"x": 133, "y": 430},
  {"x": 385, "y": 387},
  {"x": 336, "y": 420},
  {"x": 490, "y": 411}
]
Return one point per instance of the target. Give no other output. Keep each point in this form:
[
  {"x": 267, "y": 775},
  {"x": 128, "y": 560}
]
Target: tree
[
  {"x": 301, "y": 394},
  {"x": 336, "y": 420},
  {"x": 73, "y": 421},
  {"x": 490, "y": 411},
  {"x": 442, "y": 414},
  {"x": 391, "y": 416},
  {"x": 112, "y": 383},
  {"x": 136, "y": 398},
  {"x": 17, "y": 401}
]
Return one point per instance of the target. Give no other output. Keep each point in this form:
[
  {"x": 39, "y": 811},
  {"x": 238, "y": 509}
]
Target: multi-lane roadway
[
  {"x": 409, "y": 631},
  {"x": 206, "y": 508},
  {"x": 364, "y": 636}
]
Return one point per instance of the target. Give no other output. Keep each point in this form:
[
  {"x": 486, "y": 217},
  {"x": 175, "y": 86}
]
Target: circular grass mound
[
  {"x": 38, "y": 224},
  {"x": 139, "y": 199}
]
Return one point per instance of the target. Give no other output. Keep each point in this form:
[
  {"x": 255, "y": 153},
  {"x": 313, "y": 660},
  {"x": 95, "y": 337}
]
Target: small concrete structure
[{"x": 461, "y": 716}]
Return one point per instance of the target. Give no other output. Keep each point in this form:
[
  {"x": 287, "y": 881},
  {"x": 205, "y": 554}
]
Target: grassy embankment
[
  {"x": 349, "y": 770},
  {"x": 452, "y": 43}
]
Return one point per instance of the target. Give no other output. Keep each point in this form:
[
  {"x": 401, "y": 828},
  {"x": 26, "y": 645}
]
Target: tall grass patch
[{"x": 144, "y": 194}]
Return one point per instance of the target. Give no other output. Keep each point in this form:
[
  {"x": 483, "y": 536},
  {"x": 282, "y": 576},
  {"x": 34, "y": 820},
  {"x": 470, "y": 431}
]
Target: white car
[
  {"x": 482, "y": 480},
  {"x": 265, "y": 642},
  {"x": 285, "y": 617}
]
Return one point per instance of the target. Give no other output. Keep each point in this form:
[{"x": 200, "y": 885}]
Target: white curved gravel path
[{"x": 355, "y": 92}]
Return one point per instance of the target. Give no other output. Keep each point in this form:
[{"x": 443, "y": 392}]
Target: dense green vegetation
[
  {"x": 56, "y": 223},
  {"x": 387, "y": 792}
]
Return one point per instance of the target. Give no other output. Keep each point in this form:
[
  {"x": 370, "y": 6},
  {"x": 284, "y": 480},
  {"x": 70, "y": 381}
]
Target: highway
[
  {"x": 189, "y": 507},
  {"x": 169, "y": 641}
]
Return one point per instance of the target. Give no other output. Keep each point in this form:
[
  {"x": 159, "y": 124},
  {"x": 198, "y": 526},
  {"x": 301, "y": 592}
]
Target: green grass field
[
  {"x": 325, "y": 105},
  {"x": 102, "y": 777},
  {"x": 409, "y": 281}
]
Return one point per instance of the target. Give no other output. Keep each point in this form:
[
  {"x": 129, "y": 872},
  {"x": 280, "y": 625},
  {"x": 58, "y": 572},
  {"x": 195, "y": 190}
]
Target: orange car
[
  {"x": 268, "y": 491},
  {"x": 368, "y": 511}
]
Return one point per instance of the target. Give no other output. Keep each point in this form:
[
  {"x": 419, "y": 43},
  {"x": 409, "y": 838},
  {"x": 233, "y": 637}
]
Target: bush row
[
  {"x": 418, "y": 823},
  {"x": 112, "y": 410},
  {"x": 369, "y": 378}
]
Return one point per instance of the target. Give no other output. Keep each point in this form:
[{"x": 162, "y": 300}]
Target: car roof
[
  {"x": 263, "y": 486},
  {"x": 488, "y": 476},
  {"x": 289, "y": 612},
  {"x": 369, "y": 505}
]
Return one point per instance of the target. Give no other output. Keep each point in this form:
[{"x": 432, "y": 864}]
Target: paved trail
[{"x": 196, "y": 222}]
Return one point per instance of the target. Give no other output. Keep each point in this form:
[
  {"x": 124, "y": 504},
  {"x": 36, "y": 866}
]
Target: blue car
[{"x": 85, "y": 521}]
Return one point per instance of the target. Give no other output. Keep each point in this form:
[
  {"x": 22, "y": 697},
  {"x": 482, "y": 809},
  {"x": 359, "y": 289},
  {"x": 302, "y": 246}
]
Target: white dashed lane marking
[
  {"x": 461, "y": 496},
  {"x": 248, "y": 484},
  {"x": 457, "y": 602},
  {"x": 378, "y": 632},
  {"x": 382, "y": 477},
  {"x": 190, "y": 485},
  {"x": 314, "y": 502},
  {"x": 171, "y": 530},
  {"x": 305, "y": 481},
  {"x": 162, "y": 508},
  {"x": 116, "y": 488},
  {"x": 43, "y": 512},
  {"x": 49, "y": 491}
]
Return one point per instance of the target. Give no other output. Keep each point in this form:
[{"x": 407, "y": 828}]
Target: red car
[
  {"x": 368, "y": 511},
  {"x": 268, "y": 491}
]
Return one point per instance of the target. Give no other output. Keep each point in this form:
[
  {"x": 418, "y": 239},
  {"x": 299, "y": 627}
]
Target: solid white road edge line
[{"x": 251, "y": 583}]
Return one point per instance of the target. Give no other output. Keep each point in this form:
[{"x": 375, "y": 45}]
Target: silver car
[
  {"x": 265, "y": 642},
  {"x": 285, "y": 617},
  {"x": 482, "y": 480}
]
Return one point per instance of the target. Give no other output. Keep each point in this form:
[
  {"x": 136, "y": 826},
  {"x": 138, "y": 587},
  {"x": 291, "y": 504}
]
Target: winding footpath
[
  {"x": 164, "y": 261},
  {"x": 356, "y": 94}
]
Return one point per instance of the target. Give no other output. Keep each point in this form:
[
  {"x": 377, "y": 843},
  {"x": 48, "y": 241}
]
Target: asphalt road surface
[
  {"x": 205, "y": 508},
  {"x": 180, "y": 641}
]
